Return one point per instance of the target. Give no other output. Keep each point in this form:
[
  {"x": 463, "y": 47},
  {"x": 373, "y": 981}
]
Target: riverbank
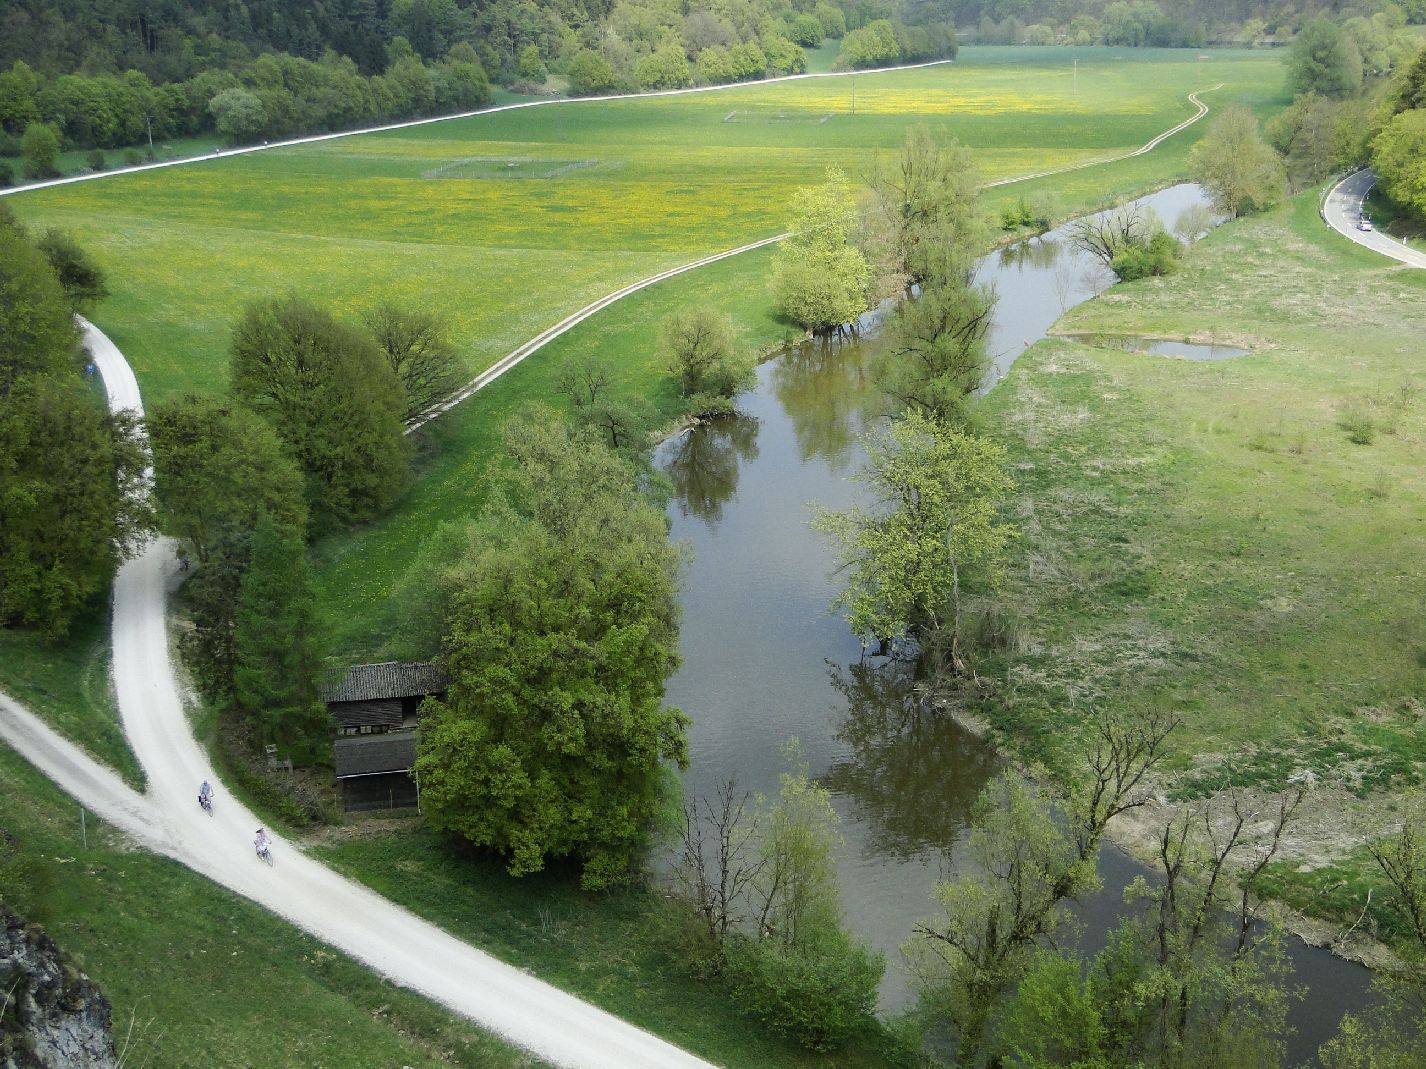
[{"x": 1238, "y": 541}]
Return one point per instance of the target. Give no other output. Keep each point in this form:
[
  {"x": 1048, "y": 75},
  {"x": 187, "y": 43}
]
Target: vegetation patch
[{"x": 1213, "y": 538}]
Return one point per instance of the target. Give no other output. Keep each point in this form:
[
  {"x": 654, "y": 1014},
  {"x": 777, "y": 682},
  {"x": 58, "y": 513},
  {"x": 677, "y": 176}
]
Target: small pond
[
  {"x": 764, "y": 658},
  {"x": 1181, "y": 350}
]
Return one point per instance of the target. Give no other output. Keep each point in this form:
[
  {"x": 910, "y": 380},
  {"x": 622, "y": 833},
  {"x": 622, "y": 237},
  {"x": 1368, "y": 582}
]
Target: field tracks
[{"x": 539, "y": 341}]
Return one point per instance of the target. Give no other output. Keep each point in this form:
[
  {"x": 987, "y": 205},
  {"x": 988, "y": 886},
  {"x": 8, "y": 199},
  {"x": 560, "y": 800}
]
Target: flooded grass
[{"x": 1240, "y": 540}]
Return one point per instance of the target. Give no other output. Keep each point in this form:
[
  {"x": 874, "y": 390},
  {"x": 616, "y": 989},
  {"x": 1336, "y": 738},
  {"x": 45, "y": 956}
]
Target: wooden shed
[
  {"x": 374, "y": 710},
  {"x": 375, "y": 771},
  {"x": 375, "y": 698}
]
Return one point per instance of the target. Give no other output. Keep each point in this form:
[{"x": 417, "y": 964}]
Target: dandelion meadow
[{"x": 509, "y": 221}]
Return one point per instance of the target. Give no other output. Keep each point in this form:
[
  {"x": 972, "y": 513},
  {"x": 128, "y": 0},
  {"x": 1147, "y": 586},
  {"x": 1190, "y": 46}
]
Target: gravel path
[{"x": 544, "y": 1020}]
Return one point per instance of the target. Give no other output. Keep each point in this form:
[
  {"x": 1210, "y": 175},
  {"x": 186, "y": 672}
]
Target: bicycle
[
  {"x": 264, "y": 853},
  {"x": 205, "y": 803}
]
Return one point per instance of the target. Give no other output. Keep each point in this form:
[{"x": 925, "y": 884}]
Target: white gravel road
[
  {"x": 411, "y": 952},
  {"x": 1343, "y": 211}
]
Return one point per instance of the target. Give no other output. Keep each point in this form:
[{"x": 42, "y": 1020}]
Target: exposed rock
[{"x": 54, "y": 1016}]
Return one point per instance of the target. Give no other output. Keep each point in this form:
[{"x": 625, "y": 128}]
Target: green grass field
[
  {"x": 1239, "y": 541},
  {"x": 436, "y": 214},
  {"x": 202, "y": 977}
]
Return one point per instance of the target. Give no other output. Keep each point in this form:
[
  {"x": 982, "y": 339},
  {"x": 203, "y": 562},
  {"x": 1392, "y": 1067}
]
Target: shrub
[
  {"x": 806, "y": 31},
  {"x": 1158, "y": 257},
  {"x": 590, "y": 73},
  {"x": 95, "y": 159},
  {"x": 132, "y": 157},
  {"x": 1360, "y": 427},
  {"x": 7, "y": 174},
  {"x": 817, "y": 995},
  {"x": 40, "y": 148}
]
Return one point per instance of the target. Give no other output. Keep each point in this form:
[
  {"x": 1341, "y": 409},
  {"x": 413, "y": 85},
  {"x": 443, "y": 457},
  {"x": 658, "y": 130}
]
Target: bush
[
  {"x": 7, "y": 174},
  {"x": 1360, "y": 427},
  {"x": 1158, "y": 257},
  {"x": 817, "y": 996},
  {"x": 132, "y": 157},
  {"x": 95, "y": 159},
  {"x": 590, "y": 74},
  {"x": 40, "y": 149},
  {"x": 806, "y": 31}
]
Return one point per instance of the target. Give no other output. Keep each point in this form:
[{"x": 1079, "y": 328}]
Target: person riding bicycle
[
  {"x": 262, "y": 843},
  {"x": 205, "y": 794}
]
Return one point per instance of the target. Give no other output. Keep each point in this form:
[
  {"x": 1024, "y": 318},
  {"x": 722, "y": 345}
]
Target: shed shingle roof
[
  {"x": 364, "y": 755},
  {"x": 391, "y": 679}
]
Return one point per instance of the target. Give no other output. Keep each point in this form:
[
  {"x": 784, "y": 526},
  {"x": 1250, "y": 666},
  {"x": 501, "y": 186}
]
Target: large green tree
[
  {"x": 82, "y": 279},
  {"x": 1323, "y": 59},
  {"x": 37, "y": 330},
  {"x": 924, "y": 219},
  {"x": 69, "y": 507},
  {"x": 416, "y": 343},
  {"x": 1399, "y": 157},
  {"x": 277, "y": 659},
  {"x": 332, "y": 397},
  {"x": 819, "y": 276},
  {"x": 929, "y": 533},
  {"x": 935, "y": 356},
  {"x": 218, "y": 469},
  {"x": 699, "y": 344},
  {"x": 1236, "y": 165},
  {"x": 560, "y": 634}
]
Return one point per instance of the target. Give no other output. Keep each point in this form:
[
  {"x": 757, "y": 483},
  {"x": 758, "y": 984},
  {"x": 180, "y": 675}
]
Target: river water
[{"x": 764, "y": 658}]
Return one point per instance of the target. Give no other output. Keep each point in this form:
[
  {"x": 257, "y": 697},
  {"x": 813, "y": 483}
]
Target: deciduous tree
[
  {"x": 559, "y": 639},
  {"x": 79, "y": 276},
  {"x": 218, "y": 469},
  {"x": 332, "y": 397},
  {"x": 1236, "y": 165},
  {"x": 416, "y": 344},
  {"x": 38, "y": 335},
  {"x": 70, "y": 510},
  {"x": 1399, "y": 157},
  {"x": 276, "y": 653},
  {"x": 1322, "y": 59},
  {"x": 819, "y": 277},
  {"x": 931, "y": 531}
]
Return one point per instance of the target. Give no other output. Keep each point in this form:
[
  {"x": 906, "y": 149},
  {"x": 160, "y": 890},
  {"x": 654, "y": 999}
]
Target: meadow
[
  {"x": 1238, "y": 541},
  {"x": 437, "y": 214}
]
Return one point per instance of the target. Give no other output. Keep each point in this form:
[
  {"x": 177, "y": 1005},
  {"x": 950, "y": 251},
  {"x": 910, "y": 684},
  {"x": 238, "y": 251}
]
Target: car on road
[{"x": 1365, "y": 224}]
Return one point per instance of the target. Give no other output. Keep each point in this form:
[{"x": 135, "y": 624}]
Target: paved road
[
  {"x": 544, "y": 1020},
  {"x": 1343, "y": 210}
]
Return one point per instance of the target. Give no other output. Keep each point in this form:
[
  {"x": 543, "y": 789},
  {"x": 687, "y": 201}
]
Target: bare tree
[
  {"x": 1105, "y": 234},
  {"x": 1033, "y": 855},
  {"x": 585, "y": 380},
  {"x": 720, "y": 862}
]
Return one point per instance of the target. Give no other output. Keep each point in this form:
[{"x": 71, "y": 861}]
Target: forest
[{"x": 118, "y": 73}]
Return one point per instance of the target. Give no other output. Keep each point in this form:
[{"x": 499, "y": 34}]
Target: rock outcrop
[{"x": 54, "y": 1016}]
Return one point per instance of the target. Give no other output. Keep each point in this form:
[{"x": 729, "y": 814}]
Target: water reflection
[
  {"x": 911, "y": 771},
  {"x": 1040, "y": 254},
  {"x": 825, "y": 388},
  {"x": 703, "y": 464}
]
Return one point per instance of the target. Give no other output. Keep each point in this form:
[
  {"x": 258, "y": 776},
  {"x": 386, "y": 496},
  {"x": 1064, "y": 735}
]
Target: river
[{"x": 764, "y": 658}]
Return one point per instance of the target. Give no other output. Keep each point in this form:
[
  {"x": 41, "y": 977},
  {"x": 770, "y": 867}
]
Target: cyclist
[
  {"x": 262, "y": 844},
  {"x": 205, "y": 795}
]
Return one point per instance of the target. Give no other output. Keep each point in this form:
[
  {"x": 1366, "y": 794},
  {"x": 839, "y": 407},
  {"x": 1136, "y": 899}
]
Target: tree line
[
  {"x": 121, "y": 75},
  {"x": 1136, "y": 23}
]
